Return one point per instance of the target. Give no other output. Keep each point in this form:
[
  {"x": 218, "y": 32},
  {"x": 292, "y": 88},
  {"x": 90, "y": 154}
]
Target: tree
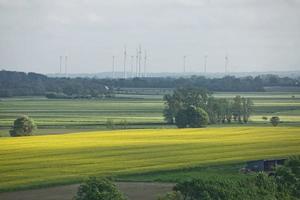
[
  {"x": 98, "y": 189},
  {"x": 247, "y": 105},
  {"x": 23, "y": 126},
  {"x": 110, "y": 124},
  {"x": 171, "y": 108},
  {"x": 181, "y": 99},
  {"x": 288, "y": 178},
  {"x": 275, "y": 120},
  {"x": 181, "y": 119},
  {"x": 283, "y": 185},
  {"x": 197, "y": 117},
  {"x": 191, "y": 117},
  {"x": 237, "y": 108}
]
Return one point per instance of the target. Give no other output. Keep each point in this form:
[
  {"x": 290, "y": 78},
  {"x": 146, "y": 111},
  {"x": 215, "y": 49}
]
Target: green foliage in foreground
[
  {"x": 98, "y": 189},
  {"x": 59, "y": 159},
  {"x": 285, "y": 185},
  {"x": 23, "y": 126}
]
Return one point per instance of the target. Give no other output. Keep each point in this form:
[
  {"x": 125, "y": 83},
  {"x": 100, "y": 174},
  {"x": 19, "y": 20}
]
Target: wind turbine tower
[
  {"x": 145, "y": 62},
  {"x": 136, "y": 62},
  {"x": 184, "y": 64},
  {"x": 113, "y": 67},
  {"x": 226, "y": 63},
  {"x": 205, "y": 63},
  {"x": 60, "y": 64},
  {"x": 131, "y": 66},
  {"x": 140, "y": 59},
  {"x": 125, "y": 56},
  {"x": 66, "y": 64}
]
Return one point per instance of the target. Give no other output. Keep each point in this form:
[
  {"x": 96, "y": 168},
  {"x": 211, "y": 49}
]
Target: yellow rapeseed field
[{"x": 58, "y": 159}]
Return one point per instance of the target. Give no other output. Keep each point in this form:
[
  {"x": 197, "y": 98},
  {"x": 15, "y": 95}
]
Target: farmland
[
  {"x": 142, "y": 147},
  {"x": 134, "y": 111},
  {"x": 144, "y": 111},
  {"x": 60, "y": 159}
]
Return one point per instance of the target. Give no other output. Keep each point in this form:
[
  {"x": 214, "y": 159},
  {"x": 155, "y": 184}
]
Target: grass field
[
  {"x": 138, "y": 113},
  {"x": 60, "y": 159}
]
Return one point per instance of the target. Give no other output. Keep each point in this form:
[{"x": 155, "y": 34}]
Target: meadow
[
  {"x": 67, "y": 158},
  {"x": 131, "y": 111}
]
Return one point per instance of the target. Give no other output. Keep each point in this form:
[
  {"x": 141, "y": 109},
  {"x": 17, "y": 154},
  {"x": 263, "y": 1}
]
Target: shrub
[
  {"x": 23, "y": 126},
  {"x": 275, "y": 120},
  {"x": 172, "y": 196},
  {"x": 259, "y": 187},
  {"x": 284, "y": 185},
  {"x": 264, "y": 118},
  {"x": 98, "y": 189}
]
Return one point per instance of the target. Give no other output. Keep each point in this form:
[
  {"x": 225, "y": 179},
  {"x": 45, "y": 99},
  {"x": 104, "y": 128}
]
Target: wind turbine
[{"x": 125, "y": 55}]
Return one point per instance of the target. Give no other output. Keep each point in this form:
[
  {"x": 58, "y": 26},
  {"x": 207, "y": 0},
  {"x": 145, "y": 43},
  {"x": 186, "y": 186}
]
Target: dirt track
[{"x": 133, "y": 190}]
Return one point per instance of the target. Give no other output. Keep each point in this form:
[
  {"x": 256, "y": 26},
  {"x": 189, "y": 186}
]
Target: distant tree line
[
  {"x": 225, "y": 84},
  {"x": 33, "y": 84},
  {"x": 28, "y": 84},
  {"x": 195, "y": 107}
]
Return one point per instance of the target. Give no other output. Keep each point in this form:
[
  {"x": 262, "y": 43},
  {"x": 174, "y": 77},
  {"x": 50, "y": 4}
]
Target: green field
[
  {"x": 138, "y": 111},
  {"x": 66, "y": 158}
]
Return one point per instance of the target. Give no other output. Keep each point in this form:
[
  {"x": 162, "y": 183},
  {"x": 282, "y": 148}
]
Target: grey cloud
[{"x": 256, "y": 34}]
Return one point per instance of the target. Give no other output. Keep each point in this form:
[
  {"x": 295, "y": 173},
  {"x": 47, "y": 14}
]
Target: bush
[
  {"x": 23, "y": 126},
  {"x": 275, "y": 121},
  {"x": 259, "y": 187},
  {"x": 284, "y": 185},
  {"x": 172, "y": 196},
  {"x": 98, "y": 189},
  {"x": 264, "y": 118}
]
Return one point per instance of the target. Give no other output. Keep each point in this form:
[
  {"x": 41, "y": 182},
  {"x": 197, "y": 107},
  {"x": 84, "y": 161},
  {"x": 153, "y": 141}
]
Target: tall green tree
[
  {"x": 247, "y": 107},
  {"x": 98, "y": 189},
  {"x": 183, "y": 98},
  {"x": 237, "y": 108},
  {"x": 23, "y": 126}
]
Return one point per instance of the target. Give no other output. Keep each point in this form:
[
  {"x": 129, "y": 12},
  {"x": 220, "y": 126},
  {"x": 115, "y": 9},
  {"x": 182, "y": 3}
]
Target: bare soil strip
[{"x": 133, "y": 190}]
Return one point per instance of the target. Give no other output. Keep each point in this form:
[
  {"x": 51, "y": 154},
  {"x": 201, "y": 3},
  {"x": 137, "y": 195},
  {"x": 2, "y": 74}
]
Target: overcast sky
[{"x": 257, "y": 35}]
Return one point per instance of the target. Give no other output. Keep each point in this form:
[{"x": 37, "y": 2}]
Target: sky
[{"x": 255, "y": 35}]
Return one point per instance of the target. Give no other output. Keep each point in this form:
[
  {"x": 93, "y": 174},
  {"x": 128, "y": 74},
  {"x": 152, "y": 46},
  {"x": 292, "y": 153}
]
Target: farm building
[{"x": 264, "y": 165}]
